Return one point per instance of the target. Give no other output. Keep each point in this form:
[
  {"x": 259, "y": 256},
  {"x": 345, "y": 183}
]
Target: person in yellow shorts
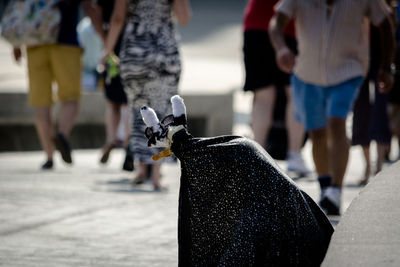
[{"x": 59, "y": 63}]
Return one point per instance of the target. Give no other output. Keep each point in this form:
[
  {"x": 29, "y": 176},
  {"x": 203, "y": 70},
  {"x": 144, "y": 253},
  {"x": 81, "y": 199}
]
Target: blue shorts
[{"x": 314, "y": 104}]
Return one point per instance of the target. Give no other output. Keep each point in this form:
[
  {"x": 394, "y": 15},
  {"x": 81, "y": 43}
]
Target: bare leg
[
  {"x": 382, "y": 150},
  {"x": 156, "y": 176},
  {"x": 67, "y": 116},
  {"x": 294, "y": 127},
  {"x": 295, "y": 130},
  {"x": 338, "y": 149},
  {"x": 398, "y": 147},
  {"x": 320, "y": 151},
  {"x": 367, "y": 160},
  {"x": 396, "y": 133},
  {"x": 261, "y": 116},
  {"x": 330, "y": 153},
  {"x": 141, "y": 174},
  {"x": 113, "y": 119},
  {"x": 107, "y": 120},
  {"x": 44, "y": 127},
  {"x": 127, "y": 124},
  {"x": 128, "y": 128},
  {"x": 128, "y": 164}
]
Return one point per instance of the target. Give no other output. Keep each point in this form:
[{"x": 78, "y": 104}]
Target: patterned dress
[{"x": 150, "y": 66}]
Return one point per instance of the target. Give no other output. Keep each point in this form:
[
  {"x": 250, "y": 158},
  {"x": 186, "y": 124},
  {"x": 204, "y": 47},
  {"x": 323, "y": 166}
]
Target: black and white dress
[{"x": 150, "y": 65}]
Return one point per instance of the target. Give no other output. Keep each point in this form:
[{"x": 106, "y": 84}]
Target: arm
[
  {"x": 94, "y": 12},
  {"x": 181, "y": 9},
  {"x": 385, "y": 77},
  {"x": 284, "y": 57},
  {"x": 116, "y": 24}
]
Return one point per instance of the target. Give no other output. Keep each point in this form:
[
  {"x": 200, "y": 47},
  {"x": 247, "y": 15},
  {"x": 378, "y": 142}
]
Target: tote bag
[{"x": 31, "y": 22}]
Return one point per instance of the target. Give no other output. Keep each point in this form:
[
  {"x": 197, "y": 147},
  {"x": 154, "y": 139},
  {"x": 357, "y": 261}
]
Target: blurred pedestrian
[
  {"x": 328, "y": 72},
  {"x": 150, "y": 65},
  {"x": 59, "y": 62},
  {"x": 394, "y": 95},
  {"x": 264, "y": 78},
  {"x": 370, "y": 113},
  {"x": 394, "y": 115},
  {"x": 114, "y": 92}
]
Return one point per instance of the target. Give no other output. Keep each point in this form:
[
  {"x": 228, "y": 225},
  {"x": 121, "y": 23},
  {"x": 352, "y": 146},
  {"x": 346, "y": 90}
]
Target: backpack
[{"x": 31, "y": 22}]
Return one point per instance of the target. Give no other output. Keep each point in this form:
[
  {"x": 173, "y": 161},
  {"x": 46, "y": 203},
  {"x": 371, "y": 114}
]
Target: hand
[
  {"x": 104, "y": 55},
  {"x": 385, "y": 81},
  {"x": 285, "y": 59},
  {"x": 17, "y": 53}
]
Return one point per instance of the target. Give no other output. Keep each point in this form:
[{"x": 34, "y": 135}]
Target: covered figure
[{"x": 236, "y": 207}]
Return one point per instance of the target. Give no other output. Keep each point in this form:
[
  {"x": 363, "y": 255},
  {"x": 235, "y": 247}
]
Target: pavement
[
  {"x": 368, "y": 233},
  {"x": 84, "y": 215},
  {"x": 90, "y": 215}
]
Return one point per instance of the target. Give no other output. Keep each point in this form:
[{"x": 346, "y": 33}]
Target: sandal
[
  {"x": 160, "y": 188},
  {"x": 106, "y": 152},
  {"x": 139, "y": 180},
  {"x": 62, "y": 145},
  {"x": 363, "y": 181}
]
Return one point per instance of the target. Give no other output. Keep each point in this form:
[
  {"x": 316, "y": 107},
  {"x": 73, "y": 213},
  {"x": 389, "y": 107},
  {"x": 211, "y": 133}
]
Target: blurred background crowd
[{"x": 131, "y": 51}]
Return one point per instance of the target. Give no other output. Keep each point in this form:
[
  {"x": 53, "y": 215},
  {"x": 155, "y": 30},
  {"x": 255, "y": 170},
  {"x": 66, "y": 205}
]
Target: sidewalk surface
[{"x": 90, "y": 215}]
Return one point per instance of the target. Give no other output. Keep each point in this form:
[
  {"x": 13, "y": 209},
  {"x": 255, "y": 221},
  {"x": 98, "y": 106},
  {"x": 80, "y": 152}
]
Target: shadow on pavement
[
  {"x": 124, "y": 185},
  {"x": 351, "y": 185}
]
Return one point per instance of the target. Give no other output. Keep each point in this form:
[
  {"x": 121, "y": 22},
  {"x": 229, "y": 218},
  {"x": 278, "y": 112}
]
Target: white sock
[{"x": 334, "y": 194}]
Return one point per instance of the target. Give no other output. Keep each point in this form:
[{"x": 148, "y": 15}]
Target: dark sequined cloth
[{"x": 237, "y": 208}]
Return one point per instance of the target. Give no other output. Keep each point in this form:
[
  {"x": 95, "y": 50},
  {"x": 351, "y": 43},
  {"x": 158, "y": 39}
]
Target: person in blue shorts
[{"x": 328, "y": 72}]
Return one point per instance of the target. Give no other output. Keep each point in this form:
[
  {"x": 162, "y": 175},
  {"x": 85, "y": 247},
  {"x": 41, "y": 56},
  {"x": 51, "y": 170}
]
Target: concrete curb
[{"x": 368, "y": 233}]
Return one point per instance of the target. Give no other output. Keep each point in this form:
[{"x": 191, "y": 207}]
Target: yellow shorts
[{"x": 59, "y": 63}]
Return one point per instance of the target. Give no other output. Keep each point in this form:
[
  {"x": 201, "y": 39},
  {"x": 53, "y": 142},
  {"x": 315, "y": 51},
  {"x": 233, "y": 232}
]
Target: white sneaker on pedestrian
[
  {"x": 295, "y": 163},
  {"x": 330, "y": 200}
]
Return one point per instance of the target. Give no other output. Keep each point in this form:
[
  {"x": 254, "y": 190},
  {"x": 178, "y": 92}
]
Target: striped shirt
[{"x": 333, "y": 43}]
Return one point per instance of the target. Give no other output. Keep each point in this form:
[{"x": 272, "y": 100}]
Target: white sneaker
[{"x": 295, "y": 163}]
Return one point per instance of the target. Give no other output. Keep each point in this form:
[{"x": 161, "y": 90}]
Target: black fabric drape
[{"x": 236, "y": 208}]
